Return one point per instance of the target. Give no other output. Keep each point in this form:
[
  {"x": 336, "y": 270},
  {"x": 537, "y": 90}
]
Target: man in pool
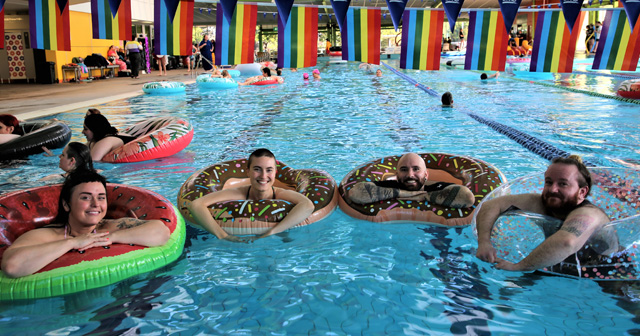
[
  {"x": 484, "y": 76},
  {"x": 262, "y": 174},
  {"x": 566, "y": 186},
  {"x": 447, "y": 99},
  {"x": 411, "y": 184}
]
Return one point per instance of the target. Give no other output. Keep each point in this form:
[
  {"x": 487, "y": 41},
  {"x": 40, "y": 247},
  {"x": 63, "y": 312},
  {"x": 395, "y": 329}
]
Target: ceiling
[{"x": 266, "y": 9}]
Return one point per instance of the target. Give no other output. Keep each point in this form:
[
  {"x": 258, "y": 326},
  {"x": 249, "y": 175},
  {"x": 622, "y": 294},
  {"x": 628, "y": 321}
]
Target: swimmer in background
[
  {"x": 305, "y": 77},
  {"x": 567, "y": 183},
  {"x": 80, "y": 225},
  {"x": 9, "y": 128},
  {"x": 447, "y": 99},
  {"x": 102, "y": 138},
  {"x": 75, "y": 156},
  {"x": 316, "y": 74},
  {"x": 484, "y": 76},
  {"x": 216, "y": 74},
  {"x": 378, "y": 73},
  {"x": 261, "y": 171},
  {"x": 226, "y": 74},
  {"x": 266, "y": 72}
]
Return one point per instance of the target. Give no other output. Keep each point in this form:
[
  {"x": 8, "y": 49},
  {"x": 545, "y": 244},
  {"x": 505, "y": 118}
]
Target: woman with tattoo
[{"x": 81, "y": 211}]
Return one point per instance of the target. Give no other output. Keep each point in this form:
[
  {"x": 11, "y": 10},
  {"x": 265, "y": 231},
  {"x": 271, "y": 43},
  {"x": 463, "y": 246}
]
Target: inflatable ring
[
  {"x": 265, "y": 81},
  {"x": 477, "y": 175},
  {"x": 208, "y": 82},
  {"x": 25, "y": 210},
  {"x": 615, "y": 190},
  {"x": 256, "y": 217},
  {"x": 630, "y": 89},
  {"x": 233, "y": 72},
  {"x": 36, "y": 135},
  {"x": 155, "y": 138},
  {"x": 164, "y": 87}
]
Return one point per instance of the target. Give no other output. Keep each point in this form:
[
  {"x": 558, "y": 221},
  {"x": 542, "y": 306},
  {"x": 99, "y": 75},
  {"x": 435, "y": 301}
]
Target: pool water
[{"x": 344, "y": 276}]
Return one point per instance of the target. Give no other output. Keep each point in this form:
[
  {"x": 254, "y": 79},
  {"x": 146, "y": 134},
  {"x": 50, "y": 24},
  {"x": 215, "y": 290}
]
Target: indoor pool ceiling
[{"x": 267, "y": 8}]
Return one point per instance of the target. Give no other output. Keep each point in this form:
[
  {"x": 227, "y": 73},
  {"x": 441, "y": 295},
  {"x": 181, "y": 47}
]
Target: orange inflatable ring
[
  {"x": 25, "y": 210},
  {"x": 630, "y": 89},
  {"x": 155, "y": 138},
  {"x": 477, "y": 175},
  {"x": 255, "y": 217}
]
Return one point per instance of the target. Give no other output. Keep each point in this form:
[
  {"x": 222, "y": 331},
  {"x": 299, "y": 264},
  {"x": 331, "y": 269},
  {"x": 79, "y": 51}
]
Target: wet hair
[
  {"x": 447, "y": 98},
  {"x": 484, "y": 76},
  {"x": 266, "y": 71},
  {"x": 74, "y": 179},
  {"x": 225, "y": 73},
  {"x": 99, "y": 125},
  {"x": 260, "y": 152},
  {"x": 279, "y": 71},
  {"x": 584, "y": 180},
  {"x": 9, "y": 121},
  {"x": 82, "y": 154}
]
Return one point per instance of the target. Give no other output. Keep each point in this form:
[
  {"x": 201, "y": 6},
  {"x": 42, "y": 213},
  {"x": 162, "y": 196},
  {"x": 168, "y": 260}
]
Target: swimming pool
[{"x": 344, "y": 276}]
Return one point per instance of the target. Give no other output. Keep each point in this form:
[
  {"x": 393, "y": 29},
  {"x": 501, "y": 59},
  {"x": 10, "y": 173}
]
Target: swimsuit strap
[{"x": 273, "y": 190}]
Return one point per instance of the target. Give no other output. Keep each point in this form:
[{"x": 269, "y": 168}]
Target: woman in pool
[
  {"x": 262, "y": 174},
  {"x": 81, "y": 226},
  {"x": 102, "y": 138},
  {"x": 76, "y": 156},
  {"x": 316, "y": 74},
  {"x": 9, "y": 128}
]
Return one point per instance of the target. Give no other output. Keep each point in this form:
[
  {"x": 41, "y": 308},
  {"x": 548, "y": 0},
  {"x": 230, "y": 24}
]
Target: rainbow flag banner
[
  {"x": 487, "y": 43},
  {"x": 111, "y": 19},
  {"x": 235, "y": 40},
  {"x": 49, "y": 24},
  {"x": 421, "y": 36},
  {"x": 298, "y": 40},
  {"x": 361, "y": 35},
  {"x": 619, "y": 46},
  {"x": 173, "y": 27},
  {"x": 554, "y": 45}
]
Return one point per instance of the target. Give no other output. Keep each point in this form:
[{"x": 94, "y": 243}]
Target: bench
[{"x": 110, "y": 70}]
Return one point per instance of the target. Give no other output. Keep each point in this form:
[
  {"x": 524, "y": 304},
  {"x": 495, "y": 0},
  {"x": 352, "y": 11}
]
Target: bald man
[{"x": 411, "y": 184}]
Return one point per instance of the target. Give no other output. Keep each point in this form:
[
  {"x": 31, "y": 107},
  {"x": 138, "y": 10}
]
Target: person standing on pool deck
[
  {"x": 81, "y": 226},
  {"x": 206, "y": 51},
  {"x": 411, "y": 184},
  {"x": 567, "y": 183},
  {"x": 133, "y": 49},
  {"x": 261, "y": 170}
]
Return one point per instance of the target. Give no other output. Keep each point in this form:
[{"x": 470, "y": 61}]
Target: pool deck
[{"x": 28, "y": 101}]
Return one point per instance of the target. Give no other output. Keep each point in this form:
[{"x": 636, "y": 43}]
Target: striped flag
[
  {"x": 421, "y": 38},
  {"x": 619, "y": 47},
  {"x": 235, "y": 40},
  {"x": 49, "y": 24},
  {"x": 554, "y": 46},
  {"x": 487, "y": 43},
  {"x": 111, "y": 19},
  {"x": 298, "y": 40},
  {"x": 173, "y": 27},
  {"x": 361, "y": 35}
]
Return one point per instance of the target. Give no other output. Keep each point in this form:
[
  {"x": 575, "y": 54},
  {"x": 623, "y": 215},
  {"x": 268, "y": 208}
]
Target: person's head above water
[
  {"x": 411, "y": 171},
  {"x": 76, "y": 156},
  {"x": 567, "y": 182},
  {"x": 96, "y": 126},
  {"x": 266, "y": 71},
  {"x": 379, "y": 73},
  {"x": 483, "y": 76},
  {"x": 447, "y": 99},
  {"x": 261, "y": 169},
  {"x": 9, "y": 124},
  {"x": 305, "y": 76},
  {"x": 72, "y": 203}
]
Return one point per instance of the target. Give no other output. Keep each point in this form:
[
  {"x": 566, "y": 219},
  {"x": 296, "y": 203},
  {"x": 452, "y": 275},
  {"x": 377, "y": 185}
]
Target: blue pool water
[{"x": 344, "y": 276}]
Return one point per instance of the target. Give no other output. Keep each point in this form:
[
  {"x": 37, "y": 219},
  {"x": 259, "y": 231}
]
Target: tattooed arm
[
  {"x": 136, "y": 231},
  {"x": 574, "y": 233},
  {"x": 368, "y": 192},
  {"x": 454, "y": 196}
]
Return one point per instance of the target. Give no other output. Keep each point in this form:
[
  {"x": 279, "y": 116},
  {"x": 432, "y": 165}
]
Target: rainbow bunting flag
[
  {"x": 235, "y": 40},
  {"x": 173, "y": 27},
  {"x": 487, "y": 43},
  {"x": 619, "y": 47},
  {"x": 421, "y": 36},
  {"x": 111, "y": 19},
  {"x": 361, "y": 35},
  {"x": 49, "y": 24},
  {"x": 554, "y": 46},
  {"x": 298, "y": 40}
]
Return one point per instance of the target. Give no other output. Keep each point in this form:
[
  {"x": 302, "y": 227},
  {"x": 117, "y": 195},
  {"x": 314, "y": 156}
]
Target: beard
[
  {"x": 559, "y": 205},
  {"x": 411, "y": 187}
]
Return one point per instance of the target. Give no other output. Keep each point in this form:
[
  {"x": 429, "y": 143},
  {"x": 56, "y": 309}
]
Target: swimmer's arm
[
  {"x": 369, "y": 192},
  {"x": 37, "y": 248},
  {"x": 136, "y": 231},
  {"x": 199, "y": 209},
  {"x": 302, "y": 210},
  {"x": 488, "y": 214},
  {"x": 104, "y": 146},
  {"x": 573, "y": 234},
  {"x": 455, "y": 196}
]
